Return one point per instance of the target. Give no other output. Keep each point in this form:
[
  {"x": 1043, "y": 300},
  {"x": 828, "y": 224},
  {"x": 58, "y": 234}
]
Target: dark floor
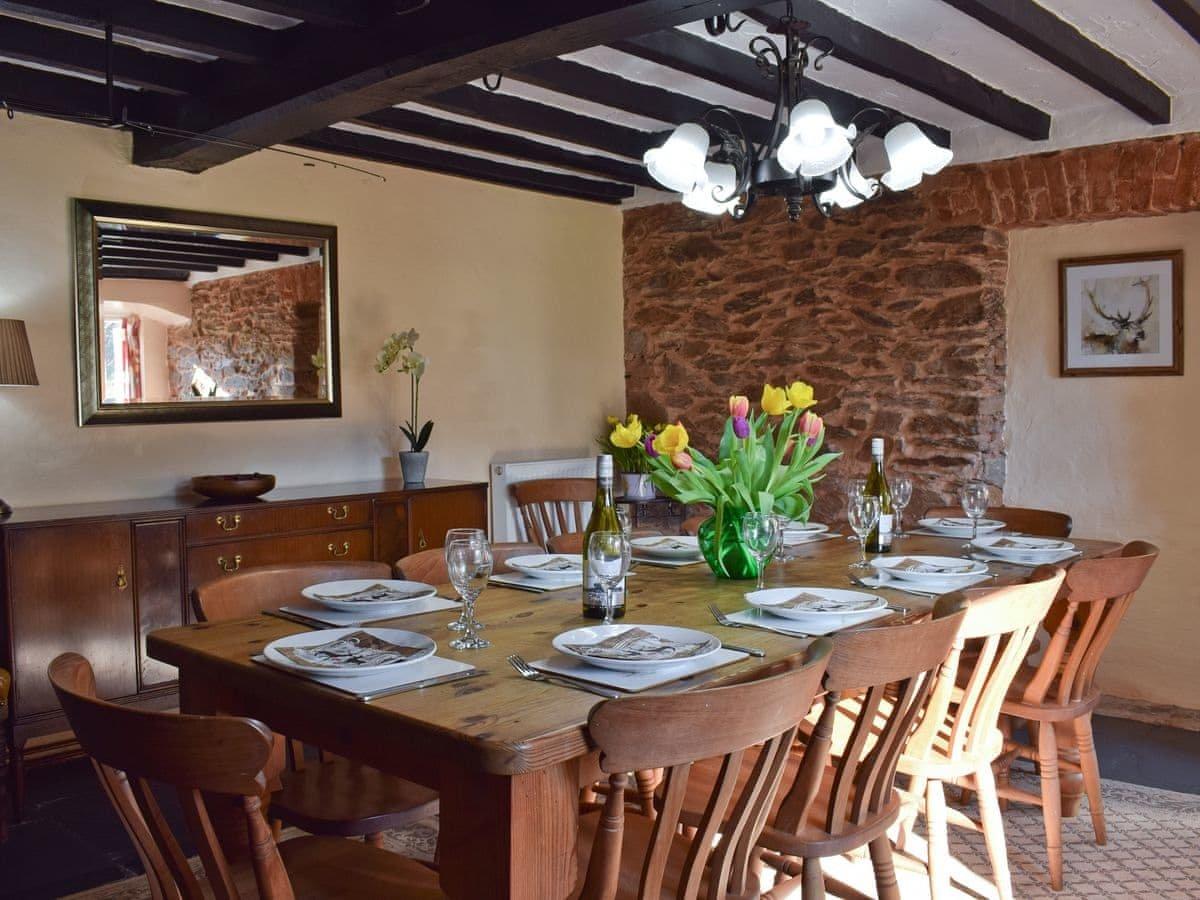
[{"x": 71, "y": 839}]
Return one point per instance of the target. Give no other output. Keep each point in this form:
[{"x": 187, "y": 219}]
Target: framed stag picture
[{"x": 1122, "y": 315}]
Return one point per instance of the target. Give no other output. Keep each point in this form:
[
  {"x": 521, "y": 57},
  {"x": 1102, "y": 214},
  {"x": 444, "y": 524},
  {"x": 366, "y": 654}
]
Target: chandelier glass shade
[{"x": 718, "y": 169}]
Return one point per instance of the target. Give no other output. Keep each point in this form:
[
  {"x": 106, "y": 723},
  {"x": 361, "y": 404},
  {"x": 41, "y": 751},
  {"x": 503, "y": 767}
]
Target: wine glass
[
  {"x": 856, "y": 487},
  {"x": 974, "y": 497},
  {"x": 901, "y": 495},
  {"x": 623, "y": 518},
  {"x": 470, "y": 565},
  {"x": 760, "y": 532},
  {"x": 863, "y": 515},
  {"x": 460, "y": 534},
  {"x": 608, "y": 559}
]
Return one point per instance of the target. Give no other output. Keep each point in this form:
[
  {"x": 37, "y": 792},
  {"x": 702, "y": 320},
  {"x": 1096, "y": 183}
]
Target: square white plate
[{"x": 633, "y": 682}]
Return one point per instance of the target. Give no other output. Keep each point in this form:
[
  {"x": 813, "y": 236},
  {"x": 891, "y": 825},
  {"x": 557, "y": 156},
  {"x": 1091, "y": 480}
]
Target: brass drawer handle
[
  {"x": 228, "y": 568},
  {"x": 345, "y": 549},
  {"x": 421, "y": 542},
  {"x": 344, "y": 514},
  {"x": 227, "y": 525},
  {"x": 122, "y": 578}
]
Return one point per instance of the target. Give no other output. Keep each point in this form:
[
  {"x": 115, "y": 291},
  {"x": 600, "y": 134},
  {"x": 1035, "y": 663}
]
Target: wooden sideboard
[{"x": 97, "y": 578}]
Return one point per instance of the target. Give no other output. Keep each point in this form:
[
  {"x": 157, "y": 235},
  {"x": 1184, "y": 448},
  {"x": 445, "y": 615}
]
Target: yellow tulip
[
  {"x": 627, "y": 435},
  {"x": 775, "y": 400},
  {"x": 800, "y": 395},
  {"x": 672, "y": 440}
]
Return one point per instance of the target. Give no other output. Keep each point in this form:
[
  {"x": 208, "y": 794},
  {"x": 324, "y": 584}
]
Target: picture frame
[{"x": 1121, "y": 314}]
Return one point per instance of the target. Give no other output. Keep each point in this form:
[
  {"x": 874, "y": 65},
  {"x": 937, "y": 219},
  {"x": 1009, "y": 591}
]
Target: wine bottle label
[
  {"x": 885, "y": 526},
  {"x": 593, "y": 595}
]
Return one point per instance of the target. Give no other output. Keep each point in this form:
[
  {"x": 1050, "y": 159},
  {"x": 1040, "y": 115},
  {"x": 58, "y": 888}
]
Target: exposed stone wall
[
  {"x": 255, "y": 334},
  {"x": 894, "y": 311}
]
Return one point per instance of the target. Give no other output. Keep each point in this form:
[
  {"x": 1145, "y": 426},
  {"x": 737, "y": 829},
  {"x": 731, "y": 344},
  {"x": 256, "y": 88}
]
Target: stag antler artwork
[{"x": 1129, "y": 330}]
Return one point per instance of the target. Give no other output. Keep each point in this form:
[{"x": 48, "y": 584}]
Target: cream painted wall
[
  {"x": 1118, "y": 453},
  {"x": 517, "y": 297}
]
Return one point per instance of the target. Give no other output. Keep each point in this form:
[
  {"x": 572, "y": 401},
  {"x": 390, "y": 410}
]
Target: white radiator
[{"x": 506, "y": 518}]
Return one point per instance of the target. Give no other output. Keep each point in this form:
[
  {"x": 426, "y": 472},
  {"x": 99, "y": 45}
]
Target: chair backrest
[
  {"x": 670, "y": 731},
  {"x": 891, "y": 670},
  {"x": 215, "y": 755},
  {"x": 249, "y": 592},
  {"x": 430, "y": 565},
  {"x": 1082, "y": 621},
  {"x": 551, "y": 506},
  {"x": 1001, "y": 622},
  {"x": 1018, "y": 518}
]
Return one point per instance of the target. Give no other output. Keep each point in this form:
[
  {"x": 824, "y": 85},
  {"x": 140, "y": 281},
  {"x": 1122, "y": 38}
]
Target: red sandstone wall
[{"x": 894, "y": 311}]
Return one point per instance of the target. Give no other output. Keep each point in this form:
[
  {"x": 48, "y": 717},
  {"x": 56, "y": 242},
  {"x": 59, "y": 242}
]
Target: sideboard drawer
[
  {"x": 207, "y": 563},
  {"x": 223, "y": 524}
]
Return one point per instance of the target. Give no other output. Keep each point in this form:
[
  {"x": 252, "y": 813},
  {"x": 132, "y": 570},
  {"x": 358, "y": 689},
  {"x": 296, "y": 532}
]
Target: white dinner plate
[
  {"x": 960, "y": 526},
  {"x": 1028, "y": 549},
  {"x": 956, "y": 568},
  {"x": 683, "y": 546},
  {"x": 423, "y": 646},
  {"x": 535, "y": 564},
  {"x": 698, "y": 644},
  {"x": 806, "y": 528},
  {"x": 824, "y": 602},
  {"x": 332, "y": 589}
]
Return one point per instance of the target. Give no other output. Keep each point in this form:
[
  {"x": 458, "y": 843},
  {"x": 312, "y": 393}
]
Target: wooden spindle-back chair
[
  {"x": 757, "y": 719},
  {"x": 1060, "y": 691},
  {"x": 1045, "y": 522},
  {"x": 339, "y": 797},
  {"x": 210, "y": 760},
  {"x": 553, "y": 506},
  {"x": 958, "y": 738},
  {"x": 430, "y": 565}
]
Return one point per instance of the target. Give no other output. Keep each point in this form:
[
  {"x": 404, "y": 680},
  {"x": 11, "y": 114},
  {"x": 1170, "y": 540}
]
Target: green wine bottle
[
  {"x": 604, "y": 518},
  {"x": 880, "y": 538}
]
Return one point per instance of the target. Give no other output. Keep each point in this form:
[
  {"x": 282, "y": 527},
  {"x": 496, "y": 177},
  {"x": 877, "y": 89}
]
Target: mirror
[{"x": 186, "y": 316}]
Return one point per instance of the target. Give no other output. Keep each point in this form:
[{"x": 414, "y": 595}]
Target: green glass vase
[{"x": 724, "y": 550}]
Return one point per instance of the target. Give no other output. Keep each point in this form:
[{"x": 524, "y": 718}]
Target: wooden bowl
[{"x": 233, "y": 487}]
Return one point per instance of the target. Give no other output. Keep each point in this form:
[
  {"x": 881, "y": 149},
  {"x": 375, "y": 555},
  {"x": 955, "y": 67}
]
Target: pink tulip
[
  {"x": 739, "y": 406},
  {"x": 741, "y": 426},
  {"x": 682, "y": 460},
  {"x": 811, "y": 427}
]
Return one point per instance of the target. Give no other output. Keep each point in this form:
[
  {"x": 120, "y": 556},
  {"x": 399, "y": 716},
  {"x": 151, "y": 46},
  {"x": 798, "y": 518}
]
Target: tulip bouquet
[
  {"x": 767, "y": 462},
  {"x": 624, "y": 442}
]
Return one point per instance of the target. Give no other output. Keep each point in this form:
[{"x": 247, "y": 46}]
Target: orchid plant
[{"x": 399, "y": 350}]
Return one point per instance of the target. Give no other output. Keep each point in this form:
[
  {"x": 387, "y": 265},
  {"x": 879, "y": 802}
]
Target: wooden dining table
[{"x": 506, "y": 755}]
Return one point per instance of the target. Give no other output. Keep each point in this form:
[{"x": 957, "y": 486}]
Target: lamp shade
[
  {"x": 911, "y": 154},
  {"x": 851, "y": 189},
  {"x": 16, "y": 359},
  {"x": 679, "y": 163},
  {"x": 716, "y": 195},
  {"x": 815, "y": 143}
]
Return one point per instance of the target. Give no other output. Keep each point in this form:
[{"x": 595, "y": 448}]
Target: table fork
[
  {"x": 723, "y": 619},
  {"x": 525, "y": 670}
]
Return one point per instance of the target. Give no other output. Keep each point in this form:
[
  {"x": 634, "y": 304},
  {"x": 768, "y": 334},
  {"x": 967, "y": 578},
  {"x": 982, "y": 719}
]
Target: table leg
[
  {"x": 509, "y": 836},
  {"x": 1070, "y": 782}
]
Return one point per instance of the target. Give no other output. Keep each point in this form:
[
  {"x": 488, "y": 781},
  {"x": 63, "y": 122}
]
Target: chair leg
[
  {"x": 375, "y": 839},
  {"x": 1051, "y": 802},
  {"x": 647, "y": 781},
  {"x": 939, "y": 840},
  {"x": 885, "y": 869},
  {"x": 908, "y": 818},
  {"x": 813, "y": 880},
  {"x": 1091, "y": 775},
  {"x": 993, "y": 830}
]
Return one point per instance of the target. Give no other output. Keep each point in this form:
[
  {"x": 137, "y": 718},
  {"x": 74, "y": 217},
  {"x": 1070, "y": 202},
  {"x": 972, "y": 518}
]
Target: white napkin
[
  {"x": 632, "y": 682},
  {"x": 368, "y": 687},
  {"x": 814, "y": 625},
  {"x": 340, "y": 619}
]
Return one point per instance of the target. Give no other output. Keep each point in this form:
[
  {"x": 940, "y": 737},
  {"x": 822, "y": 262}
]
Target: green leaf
[{"x": 423, "y": 437}]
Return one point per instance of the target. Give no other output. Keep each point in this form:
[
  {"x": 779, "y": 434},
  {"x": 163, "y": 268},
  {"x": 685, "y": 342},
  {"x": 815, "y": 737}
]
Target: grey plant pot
[{"x": 413, "y": 464}]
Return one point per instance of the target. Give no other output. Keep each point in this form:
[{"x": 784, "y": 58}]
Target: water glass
[
  {"x": 901, "y": 494},
  {"x": 974, "y": 497},
  {"x": 623, "y": 518},
  {"x": 760, "y": 533},
  {"x": 863, "y": 515},
  {"x": 470, "y": 566},
  {"x": 608, "y": 559},
  {"x": 461, "y": 534}
]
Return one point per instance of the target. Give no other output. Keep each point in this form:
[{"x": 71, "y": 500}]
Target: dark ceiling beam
[
  {"x": 62, "y": 94},
  {"x": 1058, "y": 42},
  {"x": 112, "y": 255},
  {"x": 163, "y": 264},
  {"x": 174, "y": 26},
  {"x": 1185, "y": 12},
  {"x": 327, "y": 76},
  {"x": 334, "y": 13},
  {"x": 225, "y": 244},
  {"x": 737, "y": 71},
  {"x": 73, "y": 52},
  {"x": 876, "y": 52},
  {"x": 407, "y": 121},
  {"x": 413, "y": 156},
  {"x": 231, "y": 252},
  {"x": 148, "y": 274},
  {"x": 607, "y": 89}
]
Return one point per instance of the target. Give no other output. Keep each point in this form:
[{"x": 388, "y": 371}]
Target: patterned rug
[{"x": 1153, "y": 853}]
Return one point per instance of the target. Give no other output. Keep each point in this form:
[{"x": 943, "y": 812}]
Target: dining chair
[
  {"x": 1059, "y": 691},
  {"x": 1045, "y": 522},
  {"x": 634, "y": 856},
  {"x": 210, "y": 762},
  {"x": 552, "y": 506},
  {"x": 958, "y": 739},
  {"x": 337, "y": 797},
  {"x": 430, "y": 565},
  {"x": 5, "y": 685},
  {"x": 692, "y": 525}
]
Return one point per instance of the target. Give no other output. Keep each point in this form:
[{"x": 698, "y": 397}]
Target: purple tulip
[
  {"x": 741, "y": 426},
  {"x": 648, "y": 443}
]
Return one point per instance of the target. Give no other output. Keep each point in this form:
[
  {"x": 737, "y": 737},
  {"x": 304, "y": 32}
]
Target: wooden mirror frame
[{"x": 92, "y": 409}]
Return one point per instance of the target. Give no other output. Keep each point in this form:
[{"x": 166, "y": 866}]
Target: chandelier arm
[
  {"x": 744, "y": 152},
  {"x": 825, "y": 47},
  {"x": 772, "y": 60},
  {"x": 882, "y": 117}
]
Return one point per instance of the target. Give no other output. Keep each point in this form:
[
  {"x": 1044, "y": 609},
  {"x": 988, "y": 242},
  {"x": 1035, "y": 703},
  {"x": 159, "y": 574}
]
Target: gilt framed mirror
[{"x": 185, "y": 316}]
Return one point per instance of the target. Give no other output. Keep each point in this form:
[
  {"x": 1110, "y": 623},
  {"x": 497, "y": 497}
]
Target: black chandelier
[{"x": 718, "y": 169}]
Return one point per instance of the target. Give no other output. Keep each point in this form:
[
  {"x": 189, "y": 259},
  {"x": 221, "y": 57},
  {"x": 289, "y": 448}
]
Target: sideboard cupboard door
[
  {"x": 72, "y": 589},
  {"x": 159, "y": 591},
  {"x": 430, "y": 516}
]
